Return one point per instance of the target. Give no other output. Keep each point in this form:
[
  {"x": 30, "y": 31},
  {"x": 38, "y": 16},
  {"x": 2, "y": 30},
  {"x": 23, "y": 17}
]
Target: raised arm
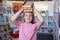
[
  {"x": 15, "y": 16},
  {"x": 41, "y": 20}
]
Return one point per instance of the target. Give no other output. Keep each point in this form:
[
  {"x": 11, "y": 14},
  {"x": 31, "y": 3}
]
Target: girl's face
[{"x": 28, "y": 17}]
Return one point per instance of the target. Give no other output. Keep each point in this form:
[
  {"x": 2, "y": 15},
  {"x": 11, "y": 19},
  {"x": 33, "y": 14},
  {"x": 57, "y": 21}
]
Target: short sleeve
[{"x": 36, "y": 26}]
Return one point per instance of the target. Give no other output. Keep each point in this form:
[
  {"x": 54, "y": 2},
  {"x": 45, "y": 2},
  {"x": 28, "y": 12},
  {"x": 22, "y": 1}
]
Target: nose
[{"x": 28, "y": 17}]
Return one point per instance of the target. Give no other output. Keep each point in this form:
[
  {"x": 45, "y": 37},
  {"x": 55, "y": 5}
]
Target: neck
[{"x": 27, "y": 22}]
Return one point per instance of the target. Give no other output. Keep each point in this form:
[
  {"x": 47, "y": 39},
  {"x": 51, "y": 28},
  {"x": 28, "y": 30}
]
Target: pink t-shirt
[{"x": 27, "y": 31}]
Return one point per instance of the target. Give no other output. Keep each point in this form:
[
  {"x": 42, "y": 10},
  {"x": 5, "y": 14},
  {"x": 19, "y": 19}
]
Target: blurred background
[{"x": 49, "y": 9}]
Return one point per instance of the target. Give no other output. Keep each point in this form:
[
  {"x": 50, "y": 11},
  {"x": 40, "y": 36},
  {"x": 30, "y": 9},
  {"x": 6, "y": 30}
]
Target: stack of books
[{"x": 27, "y": 7}]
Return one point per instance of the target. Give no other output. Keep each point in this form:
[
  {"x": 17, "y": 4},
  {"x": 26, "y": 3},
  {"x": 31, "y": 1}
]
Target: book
[
  {"x": 27, "y": 7},
  {"x": 27, "y": 10}
]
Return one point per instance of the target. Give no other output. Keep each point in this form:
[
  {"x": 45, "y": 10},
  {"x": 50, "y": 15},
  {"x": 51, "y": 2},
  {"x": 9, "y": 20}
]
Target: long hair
[
  {"x": 33, "y": 21},
  {"x": 32, "y": 16}
]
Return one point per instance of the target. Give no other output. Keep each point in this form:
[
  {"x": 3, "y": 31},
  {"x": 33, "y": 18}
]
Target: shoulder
[{"x": 36, "y": 26}]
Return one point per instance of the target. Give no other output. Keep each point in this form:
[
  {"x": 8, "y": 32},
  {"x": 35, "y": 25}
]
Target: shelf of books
[
  {"x": 48, "y": 25},
  {"x": 4, "y": 25}
]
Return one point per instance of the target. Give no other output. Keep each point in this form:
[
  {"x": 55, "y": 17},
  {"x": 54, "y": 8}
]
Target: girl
[{"x": 27, "y": 29}]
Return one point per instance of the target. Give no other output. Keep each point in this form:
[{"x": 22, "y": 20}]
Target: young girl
[{"x": 27, "y": 29}]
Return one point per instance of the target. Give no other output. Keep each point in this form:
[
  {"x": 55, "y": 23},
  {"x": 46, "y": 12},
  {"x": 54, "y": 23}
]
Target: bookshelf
[
  {"x": 48, "y": 24},
  {"x": 4, "y": 25}
]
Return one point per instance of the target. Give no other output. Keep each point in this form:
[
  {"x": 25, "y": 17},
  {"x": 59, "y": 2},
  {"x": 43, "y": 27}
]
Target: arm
[
  {"x": 15, "y": 16},
  {"x": 41, "y": 20}
]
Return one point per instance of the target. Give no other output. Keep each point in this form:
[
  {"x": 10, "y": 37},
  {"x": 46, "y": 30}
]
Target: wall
[
  {"x": 10, "y": 2},
  {"x": 49, "y": 3},
  {"x": 50, "y": 6}
]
